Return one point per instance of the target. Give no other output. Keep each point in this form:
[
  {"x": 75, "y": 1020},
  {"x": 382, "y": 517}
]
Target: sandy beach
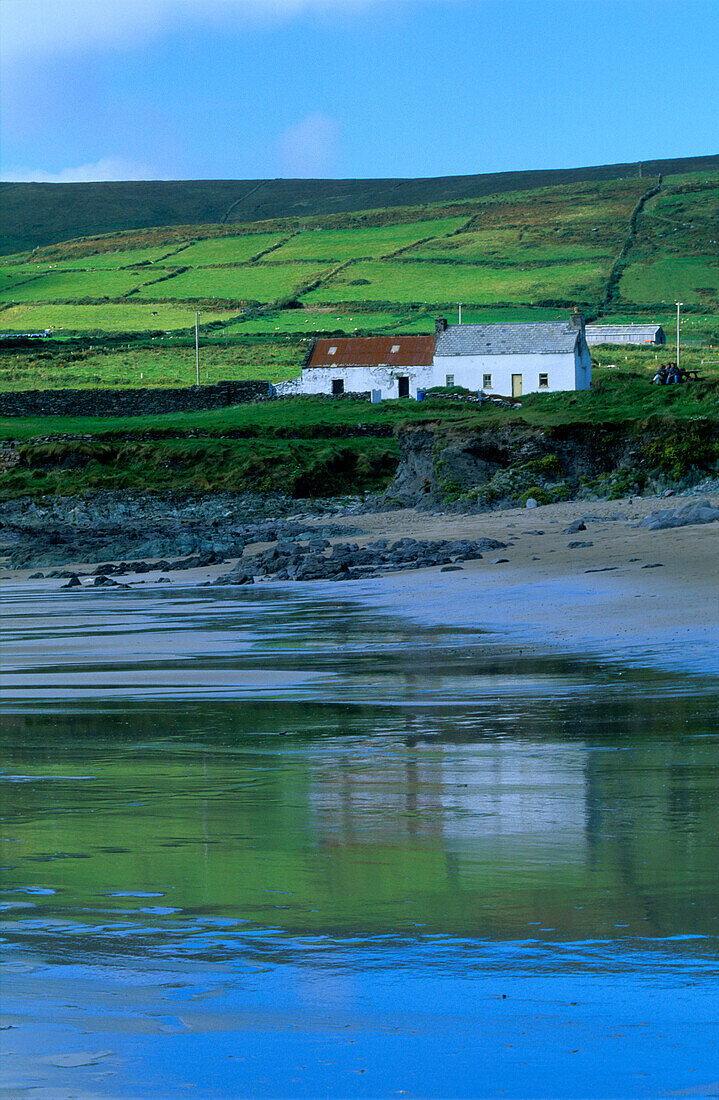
[{"x": 624, "y": 589}]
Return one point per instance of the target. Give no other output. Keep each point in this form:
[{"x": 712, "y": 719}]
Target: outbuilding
[
  {"x": 396, "y": 366},
  {"x": 513, "y": 359},
  {"x": 625, "y": 334}
]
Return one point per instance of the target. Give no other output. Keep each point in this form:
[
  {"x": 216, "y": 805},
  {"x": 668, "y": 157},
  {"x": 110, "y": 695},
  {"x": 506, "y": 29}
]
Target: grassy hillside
[
  {"x": 37, "y": 214},
  {"x": 622, "y": 249}
]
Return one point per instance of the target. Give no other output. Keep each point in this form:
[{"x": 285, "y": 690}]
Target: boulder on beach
[{"x": 703, "y": 511}]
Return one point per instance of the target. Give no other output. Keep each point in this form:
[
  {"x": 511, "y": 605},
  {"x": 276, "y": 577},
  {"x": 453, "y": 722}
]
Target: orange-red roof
[{"x": 373, "y": 351}]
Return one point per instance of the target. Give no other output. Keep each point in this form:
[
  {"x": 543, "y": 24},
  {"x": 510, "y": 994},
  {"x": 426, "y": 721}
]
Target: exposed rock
[
  {"x": 578, "y": 525},
  {"x": 578, "y": 545},
  {"x": 703, "y": 511},
  {"x": 531, "y": 503}
]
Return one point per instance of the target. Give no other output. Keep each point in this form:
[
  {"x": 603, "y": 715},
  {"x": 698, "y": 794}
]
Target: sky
[{"x": 255, "y": 89}]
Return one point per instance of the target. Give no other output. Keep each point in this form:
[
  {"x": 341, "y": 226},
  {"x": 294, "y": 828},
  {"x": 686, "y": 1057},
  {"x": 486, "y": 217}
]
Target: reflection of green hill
[{"x": 476, "y": 835}]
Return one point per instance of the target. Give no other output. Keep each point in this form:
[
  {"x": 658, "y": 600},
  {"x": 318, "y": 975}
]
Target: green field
[
  {"x": 101, "y": 318},
  {"x": 418, "y": 281},
  {"x": 66, "y": 285},
  {"x": 691, "y": 280},
  {"x": 244, "y": 282},
  {"x": 130, "y": 367},
  {"x": 360, "y": 243},
  {"x": 226, "y": 250},
  {"x": 104, "y": 261}
]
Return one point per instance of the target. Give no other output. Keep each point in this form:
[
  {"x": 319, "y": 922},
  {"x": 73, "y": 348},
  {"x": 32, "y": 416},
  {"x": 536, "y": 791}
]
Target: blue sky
[{"x": 238, "y": 89}]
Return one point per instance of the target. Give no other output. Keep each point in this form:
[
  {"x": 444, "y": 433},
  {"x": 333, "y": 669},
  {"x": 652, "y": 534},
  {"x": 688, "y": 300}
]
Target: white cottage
[
  {"x": 397, "y": 366},
  {"x": 513, "y": 359}
]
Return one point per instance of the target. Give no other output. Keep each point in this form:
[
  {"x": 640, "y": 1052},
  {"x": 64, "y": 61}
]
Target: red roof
[{"x": 373, "y": 351}]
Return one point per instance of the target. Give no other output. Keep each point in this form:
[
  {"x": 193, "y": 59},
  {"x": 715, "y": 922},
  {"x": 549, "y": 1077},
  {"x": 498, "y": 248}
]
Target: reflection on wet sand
[{"x": 286, "y": 848}]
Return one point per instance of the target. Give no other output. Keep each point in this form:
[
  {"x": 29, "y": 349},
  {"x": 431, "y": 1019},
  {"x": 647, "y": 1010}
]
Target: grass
[
  {"x": 415, "y": 281},
  {"x": 66, "y": 285},
  {"x": 227, "y": 250},
  {"x": 26, "y": 369},
  {"x": 40, "y": 214},
  {"x": 689, "y": 279},
  {"x": 248, "y": 282},
  {"x": 108, "y": 261},
  {"x": 359, "y": 242},
  {"x": 620, "y": 392},
  {"x": 315, "y": 446},
  {"x": 102, "y": 318},
  {"x": 514, "y": 246}
]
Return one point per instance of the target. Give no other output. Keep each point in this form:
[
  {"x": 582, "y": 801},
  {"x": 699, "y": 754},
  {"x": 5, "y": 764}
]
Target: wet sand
[{"x": 631, "y": 590}]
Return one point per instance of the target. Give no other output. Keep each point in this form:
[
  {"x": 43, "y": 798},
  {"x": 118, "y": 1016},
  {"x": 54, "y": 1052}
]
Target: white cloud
[
  {"x": 307, "y": 149},
  {"x": 32, "y": 27},
  {"x": 105, "y": 170}
]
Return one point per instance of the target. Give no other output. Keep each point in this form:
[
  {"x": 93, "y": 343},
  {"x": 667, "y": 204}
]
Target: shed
[{"x": 625, "y": 334}]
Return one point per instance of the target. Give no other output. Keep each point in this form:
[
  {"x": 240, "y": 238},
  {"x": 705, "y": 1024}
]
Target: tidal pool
[{"x": 277, "y": 844}]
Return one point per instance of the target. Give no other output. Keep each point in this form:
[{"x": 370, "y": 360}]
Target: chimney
[
  {"x": 576, "y": 320},
  {"x": 440, "y": 325}
]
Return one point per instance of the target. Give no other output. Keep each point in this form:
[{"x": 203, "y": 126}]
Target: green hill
[
  {"x": 121, "y": 306},
  {"x": 37, "y": 214}
]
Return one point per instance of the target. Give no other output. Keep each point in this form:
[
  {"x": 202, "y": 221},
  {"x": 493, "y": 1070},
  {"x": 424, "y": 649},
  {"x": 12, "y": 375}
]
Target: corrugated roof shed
[
  {"x": 373, "y": 351},
  {"x": 625, "y": 334},
  {"x": 529, "y": 338}
]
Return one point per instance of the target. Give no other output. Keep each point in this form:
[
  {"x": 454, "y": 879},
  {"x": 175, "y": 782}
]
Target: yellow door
[{"x": 516, "y": 385}]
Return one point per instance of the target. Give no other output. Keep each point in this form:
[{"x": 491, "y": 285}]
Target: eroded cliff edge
[{"x": 510, "y": 464}]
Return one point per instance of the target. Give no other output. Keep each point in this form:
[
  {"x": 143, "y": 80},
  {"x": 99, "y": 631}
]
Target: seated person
[{"x": 660, "y": 377}]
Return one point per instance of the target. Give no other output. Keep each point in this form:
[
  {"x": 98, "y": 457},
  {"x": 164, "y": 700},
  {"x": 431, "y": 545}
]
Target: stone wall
[{"x": 140, "y": 402}]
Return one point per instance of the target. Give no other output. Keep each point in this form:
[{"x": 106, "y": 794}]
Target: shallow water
[{"x": 276, "y": 844}]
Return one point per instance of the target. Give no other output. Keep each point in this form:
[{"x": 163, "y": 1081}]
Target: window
[
  {"x": 338, "y": 387},
  {"x": 544, "y": 381},
  {"x": 450, "y": 380},
  {"x": 486, "y": 381},
  {"x": 332, "y": 350},
  {"x": 395, "y": 348}
]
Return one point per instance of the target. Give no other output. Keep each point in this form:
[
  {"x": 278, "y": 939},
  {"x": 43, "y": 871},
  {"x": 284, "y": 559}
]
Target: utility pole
[
  {"x": 460, "y": 312},
  {"x": 679, "y": 306},
  {"x": 197, "y": 347}
]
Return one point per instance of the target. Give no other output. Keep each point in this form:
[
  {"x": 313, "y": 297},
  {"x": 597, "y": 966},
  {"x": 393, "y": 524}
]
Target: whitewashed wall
[
  {"x": 289, "y": 388},
  {"x": 565, "y": 371},
  {"x": 364, "y": 379}
]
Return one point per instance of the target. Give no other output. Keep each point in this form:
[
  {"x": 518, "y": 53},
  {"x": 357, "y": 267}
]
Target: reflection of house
[
  {"x": 520, "y": 795},
  {"x": 625, "y": 334},
  {"x": 395, "y": 365},
  {"x": 464, "y": 799},
  {"x": 515, "y": 359}
]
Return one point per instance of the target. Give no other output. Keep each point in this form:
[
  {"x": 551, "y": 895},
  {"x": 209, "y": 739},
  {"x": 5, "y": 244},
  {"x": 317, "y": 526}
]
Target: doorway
[
  {"x": 516, "y": 385},
  {"x": 403, "y": 387},
  {"x": 338, "y": 387}
]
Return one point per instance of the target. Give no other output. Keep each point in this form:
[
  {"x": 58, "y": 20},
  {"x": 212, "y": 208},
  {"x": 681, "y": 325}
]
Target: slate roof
[
  {"x": 373, "y": 351},
  {"x": 527, "y": 338}
]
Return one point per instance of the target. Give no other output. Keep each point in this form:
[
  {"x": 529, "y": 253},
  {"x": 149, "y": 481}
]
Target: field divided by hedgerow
[
  {"x": 675, "y": 251},
  {"x": 619, "y": 248}
]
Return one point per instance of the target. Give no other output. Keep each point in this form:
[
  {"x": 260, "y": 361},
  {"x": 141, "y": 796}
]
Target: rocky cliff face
[{"x": 489, "y": 467}]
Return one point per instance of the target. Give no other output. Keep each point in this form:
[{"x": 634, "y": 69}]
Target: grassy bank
[{"x": 318, "y": 446}]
